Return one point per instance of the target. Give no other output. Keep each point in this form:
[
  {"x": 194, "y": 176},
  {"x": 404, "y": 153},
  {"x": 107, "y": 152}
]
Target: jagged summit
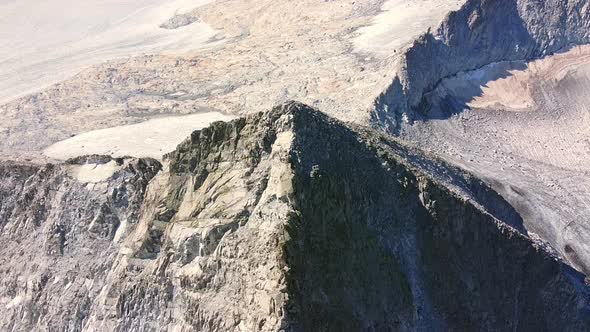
[
  {"x": 442, "y": 187},
  {"x": 282, "y": 220}
]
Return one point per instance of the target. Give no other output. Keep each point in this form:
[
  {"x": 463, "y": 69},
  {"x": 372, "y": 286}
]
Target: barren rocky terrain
[
  {"x": 523, "y": 126},
  {"x": 47, "y": 42},
  {"x": 283, "y": 220},
  {"x": 264, "y": 53},
  {"x": 433, "y": 174}
]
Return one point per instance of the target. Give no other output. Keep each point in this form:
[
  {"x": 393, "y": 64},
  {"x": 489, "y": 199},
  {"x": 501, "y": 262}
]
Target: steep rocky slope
[
  {"x": 290, "y": 220},
  {"x": 59, "y": 228},
  {"x": 284, "y": 220},
  {"x": 527, "y": 126},
  {"x": 499, "y": 89},
  {"x": 481, "y": 32}
]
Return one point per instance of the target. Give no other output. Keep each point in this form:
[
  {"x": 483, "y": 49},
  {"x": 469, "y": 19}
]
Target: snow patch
[
  {"x": 151, "y": 138},
  {"x": 400, "y": 23},
  {"x": 44, "y": 42},
  {"x": 94, "y": 173}
]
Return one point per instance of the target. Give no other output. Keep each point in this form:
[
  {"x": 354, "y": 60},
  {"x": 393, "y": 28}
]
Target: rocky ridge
[
  {"x": 530, "y": 140},
  {"x": 480, "y": 33},
  {"x": 283, "y": 220}
]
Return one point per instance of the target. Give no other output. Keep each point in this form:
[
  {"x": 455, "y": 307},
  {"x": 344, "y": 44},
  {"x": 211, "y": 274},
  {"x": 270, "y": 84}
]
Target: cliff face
[
  {"x": 522, "y": 138},
  {"x": 437, "y": 259},
  {"x": 480, "y": 33},
  {"x": 285, "y": 220},
  {"x": 60, "y": 225}
]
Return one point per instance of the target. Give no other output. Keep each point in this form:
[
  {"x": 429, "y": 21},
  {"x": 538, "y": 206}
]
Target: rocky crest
[
  {"x": 284, "y": 220},
  {"x": 480, "y": 33}
]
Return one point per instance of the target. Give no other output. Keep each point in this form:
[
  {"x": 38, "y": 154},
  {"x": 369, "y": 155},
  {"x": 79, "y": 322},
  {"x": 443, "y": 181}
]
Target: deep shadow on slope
[
  {"x": 378, "y": 246},
  {"x": 435, "y": 107},
  {"x": 482, "y": 194}
]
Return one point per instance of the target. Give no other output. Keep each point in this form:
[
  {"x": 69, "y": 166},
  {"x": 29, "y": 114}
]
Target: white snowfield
[
  {"x": 151, "y": 138},
  {"x": 400, "y": 22},
  {"x": 44, "y": 42}
]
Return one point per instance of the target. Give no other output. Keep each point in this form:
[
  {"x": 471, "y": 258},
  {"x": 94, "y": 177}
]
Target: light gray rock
[
  {"x": 179, "y": 21},
  {"x": 59, "y": 237}
]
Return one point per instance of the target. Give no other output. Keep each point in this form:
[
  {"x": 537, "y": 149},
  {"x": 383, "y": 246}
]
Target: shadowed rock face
[
  {"x": 437, "y": 261},
  {"x": 500, "y": 89},
  {"x": 284, "y": 220},
  {"x": 480, "y": 33}
]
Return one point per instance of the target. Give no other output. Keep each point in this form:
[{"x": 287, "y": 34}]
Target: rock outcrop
[
  {"x": 60, "y": 225},
  {"x": 283, "y": 220},
  {"x": 480, "y": 33}
]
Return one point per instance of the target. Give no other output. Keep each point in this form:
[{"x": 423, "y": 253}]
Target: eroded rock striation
[{"x": 282, "y": 220}]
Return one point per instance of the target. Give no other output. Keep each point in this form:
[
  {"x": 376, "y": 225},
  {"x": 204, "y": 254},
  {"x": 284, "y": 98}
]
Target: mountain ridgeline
[
  {"x": 282, "y": 220},
  {"x": 481, "y": 32}
]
